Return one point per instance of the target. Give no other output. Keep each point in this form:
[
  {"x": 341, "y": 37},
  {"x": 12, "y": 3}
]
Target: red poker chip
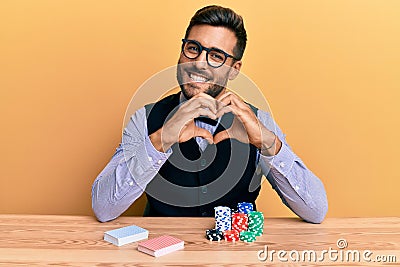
[
  {"x": 231, "y": 235},
  {"x": 239, "y": 222}
]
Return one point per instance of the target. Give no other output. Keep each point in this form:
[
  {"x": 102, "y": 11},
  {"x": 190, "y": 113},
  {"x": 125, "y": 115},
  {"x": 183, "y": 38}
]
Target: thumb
[
  {"x": 221, "y": 136},
  {"x": 203, "y": 133}
]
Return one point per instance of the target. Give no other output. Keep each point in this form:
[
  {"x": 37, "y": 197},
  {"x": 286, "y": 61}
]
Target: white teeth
[{"x": 197, "y": 78}]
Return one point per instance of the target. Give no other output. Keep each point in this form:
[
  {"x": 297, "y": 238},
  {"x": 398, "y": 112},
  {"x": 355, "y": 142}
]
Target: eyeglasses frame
[{"x": 201, "y": 47}]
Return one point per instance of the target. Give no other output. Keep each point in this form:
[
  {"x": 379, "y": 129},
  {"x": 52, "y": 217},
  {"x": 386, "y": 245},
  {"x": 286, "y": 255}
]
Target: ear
[{"x": 235, "y": 69}]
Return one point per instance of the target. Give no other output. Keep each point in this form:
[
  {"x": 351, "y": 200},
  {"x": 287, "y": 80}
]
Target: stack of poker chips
[
  {"x": 256, "y": 222},
  {"x": 239, "y": 222},
  {"x": 247, "y": 236},
  {"x": 222, "y": 218},
  {"x": 231, "y": 235},
  {"x": 214, "y": 235},
  {"x": 244, "y": 207},
  {"x": 244, "y": 225}
]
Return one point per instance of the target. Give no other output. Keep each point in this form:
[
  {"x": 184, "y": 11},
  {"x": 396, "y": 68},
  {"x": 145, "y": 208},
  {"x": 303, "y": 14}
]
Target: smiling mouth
[{"x": 197, "y": 78}]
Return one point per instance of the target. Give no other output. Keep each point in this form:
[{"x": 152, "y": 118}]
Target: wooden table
[{"x": 37, "y": 240}]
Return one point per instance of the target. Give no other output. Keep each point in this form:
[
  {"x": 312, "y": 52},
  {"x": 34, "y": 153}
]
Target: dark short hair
[{"x": 225, "y": 17}]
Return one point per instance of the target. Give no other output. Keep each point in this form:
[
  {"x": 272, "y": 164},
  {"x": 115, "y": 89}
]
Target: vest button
[
  {"x": 204, "y": 189},
  {"x": 203, "y": 162}
]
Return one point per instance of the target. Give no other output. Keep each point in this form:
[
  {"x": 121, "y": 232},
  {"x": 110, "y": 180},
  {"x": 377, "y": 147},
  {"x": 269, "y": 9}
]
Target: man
[{"x": 205, "y": 146}]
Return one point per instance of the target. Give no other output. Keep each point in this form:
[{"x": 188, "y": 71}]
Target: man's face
[{"x": 195, "y": 75}]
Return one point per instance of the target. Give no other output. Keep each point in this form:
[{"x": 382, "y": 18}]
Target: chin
[{"x": 189, "y": 91}]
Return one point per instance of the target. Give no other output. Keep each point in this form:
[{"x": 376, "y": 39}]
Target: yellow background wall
[{"x": 68, "y": 69}]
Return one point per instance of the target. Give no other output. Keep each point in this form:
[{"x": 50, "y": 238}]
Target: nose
[{"x": 201, "y": 60}]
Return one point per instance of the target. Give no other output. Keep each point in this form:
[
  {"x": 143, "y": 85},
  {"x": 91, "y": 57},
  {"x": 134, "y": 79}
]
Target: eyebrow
[
  {"x": 213, "y": 47},
  {"x": 216, "y": 48}
]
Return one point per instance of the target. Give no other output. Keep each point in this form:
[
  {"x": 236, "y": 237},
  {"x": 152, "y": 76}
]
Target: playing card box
[
  {"x": 161, "y": 245},
  {"x": 125, "y": 235}
]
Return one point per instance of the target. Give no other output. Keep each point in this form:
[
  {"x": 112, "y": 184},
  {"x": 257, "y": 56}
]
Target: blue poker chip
[{"x": 245, "y": 207}]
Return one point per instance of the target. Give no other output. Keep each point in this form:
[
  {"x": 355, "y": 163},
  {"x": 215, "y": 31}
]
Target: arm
[
  {"x": 296, "y": 185},
  {"x": 140, "y": 156},
  {"x": 132, "y": 167}
]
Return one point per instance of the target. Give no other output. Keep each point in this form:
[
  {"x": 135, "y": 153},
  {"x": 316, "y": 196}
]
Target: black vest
[{"x": 192, "y": 182}]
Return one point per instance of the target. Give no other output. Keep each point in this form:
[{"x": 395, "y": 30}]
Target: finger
[
  {"x": 211, "y": 104},
  {"x": 204, "y": 112},
  {"x": 228, "y": 109},
  {"x": 221, "y": 136},
  {"x": 203, "y": 133},
  {"x": 232, "y": 99},
  {"x": 222, "y": 96},
  {"x": 203, "y": 95}
]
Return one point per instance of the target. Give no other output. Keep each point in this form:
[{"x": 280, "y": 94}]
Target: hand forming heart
[{"x": 245, "y": 127}]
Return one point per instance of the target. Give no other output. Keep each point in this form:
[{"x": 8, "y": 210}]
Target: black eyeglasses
[{"x": 215, "y": 57}]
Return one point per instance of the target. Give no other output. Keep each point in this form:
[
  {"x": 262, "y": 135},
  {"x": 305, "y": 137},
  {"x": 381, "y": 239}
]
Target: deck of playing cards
[
  {"x": 125, "y": 235},
  {"x": 161, "y": 245}
]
